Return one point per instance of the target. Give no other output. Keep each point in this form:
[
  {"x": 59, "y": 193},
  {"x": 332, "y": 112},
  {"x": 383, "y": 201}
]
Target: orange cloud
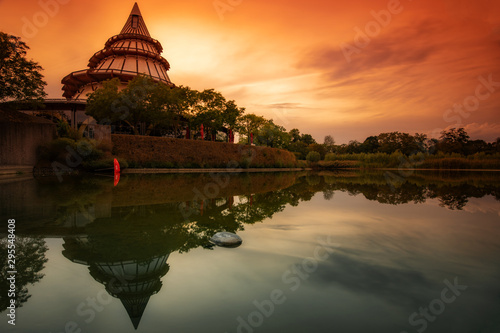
[{"x": 283, "y": 59}]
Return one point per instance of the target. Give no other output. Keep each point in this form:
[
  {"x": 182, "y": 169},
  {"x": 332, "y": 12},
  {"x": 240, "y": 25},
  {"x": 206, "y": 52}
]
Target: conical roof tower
[{"x": 125, "y": 56}]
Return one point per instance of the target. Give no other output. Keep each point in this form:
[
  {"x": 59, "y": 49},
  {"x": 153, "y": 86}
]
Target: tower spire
[
  {"x": 135, "y": 23},
  {"x": 131, "y": 53}
]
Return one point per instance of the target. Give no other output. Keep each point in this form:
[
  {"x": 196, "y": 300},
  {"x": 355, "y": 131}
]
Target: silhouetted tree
[
  {"x": 272, "y": 135},
  {"x": 248, "y": 124},
  {"x": 20, "y": 78},
  {"x": 370, "y": 145},
  {"x": 329, "y": 144},
  {"x": 453, "y": 140}
]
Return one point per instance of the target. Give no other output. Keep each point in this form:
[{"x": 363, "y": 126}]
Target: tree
[
  {"x": 272, "y": 135},
  {"x": 300, "y": 149},
  {"x": 170, "y": 111},
  {"x": 476, "y": 146},
  {"x": 294, "y": 135},
  {"x": 132, "y": 105},
  {"x": 370, "y": 145},
  {"x": 329, "y": 144},
  {"x": 453, "y": 140},
  {"x": 353, "y": 147},
  {"x": 143, "y": 104},
  {"x": 320, "y": 149},
  {"x": 307, "y": 139},
  {"x": 100, "y": 102},
  {"x": 250, "y": 123},
  {"x": 404, "y": 142},
  {"x": 20, "y": 78},
  {"x": 215, "y": 113}
]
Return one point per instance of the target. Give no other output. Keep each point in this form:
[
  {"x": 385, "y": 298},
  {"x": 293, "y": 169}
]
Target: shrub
[
  {"x": 313, "y": 156},
  {"x": 302, "y": 164},
  {"x": 330, "y": 157},
  {"x": 64, "y": 130},
  {"x": 88, "y": 150},
  {"x": 60, "y": 149}
]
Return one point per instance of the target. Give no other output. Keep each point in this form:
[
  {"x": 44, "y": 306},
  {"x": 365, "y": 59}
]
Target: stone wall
[{"x": 19, "y": 141}]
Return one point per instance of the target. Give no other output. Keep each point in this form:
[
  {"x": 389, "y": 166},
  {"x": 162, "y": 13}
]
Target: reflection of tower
[
  {"x": 130, "y": 278},
  {"x": 124, "y": 56}
]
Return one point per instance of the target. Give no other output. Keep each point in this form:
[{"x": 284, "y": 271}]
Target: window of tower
[{"x": 135, "y": 21}]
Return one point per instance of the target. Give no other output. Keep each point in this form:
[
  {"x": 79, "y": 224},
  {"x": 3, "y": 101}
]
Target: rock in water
[{"x": 226, "y": 239}]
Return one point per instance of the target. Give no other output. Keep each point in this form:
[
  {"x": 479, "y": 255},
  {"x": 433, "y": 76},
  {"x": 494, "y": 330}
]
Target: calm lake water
[{"x": 327, "y": 252}]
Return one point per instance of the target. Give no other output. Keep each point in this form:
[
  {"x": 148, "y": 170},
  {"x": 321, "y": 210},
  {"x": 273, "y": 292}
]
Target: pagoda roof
[
  {"x": 131, "y": 53},
  {"x": 135, "y": 23}
]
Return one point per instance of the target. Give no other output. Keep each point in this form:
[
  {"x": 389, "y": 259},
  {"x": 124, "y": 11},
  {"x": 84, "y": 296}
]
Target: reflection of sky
[
  {"x": 487, "y": 204},
  {"x": 390, "y": 261}
]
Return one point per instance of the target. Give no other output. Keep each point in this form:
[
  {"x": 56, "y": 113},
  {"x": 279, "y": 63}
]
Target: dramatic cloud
[{"x": 286, "y": 60}]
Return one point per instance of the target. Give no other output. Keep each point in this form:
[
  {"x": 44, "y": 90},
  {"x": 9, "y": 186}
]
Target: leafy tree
[
  {"x": 20, "y": 78},
  {"x": 215, "y": 113},
  {"x": 307, "y": 139},
  {"x": 299, "y": 148},
  {"x": 329, "y": 144},
  {"x": 250, "y": 123},
  {"x": 404, "y": 142},
  {"x": 370, "y": 145},
  {"x": 272, "y": 135},
  {"x": 476, "y": 146},
  {"x": 353, "y": 147},
  {"x": 432, "y": 145},
  {"x": 294, "y": 135},
  {"x": 133, "y": 104},
  {"x": 101, "y": 104},
  {"x": 170, "y": 110},
  {"x": 144, "y": 105},
  {"x": 300, "y": 144},
  {"x": 318, "y": 148},
  {"x": 453, "y": 140}
]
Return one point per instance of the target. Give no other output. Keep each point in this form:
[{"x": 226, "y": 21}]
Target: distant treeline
[
  {"x": 454, "y": 149},
  {"x": 452, "y": 141}
]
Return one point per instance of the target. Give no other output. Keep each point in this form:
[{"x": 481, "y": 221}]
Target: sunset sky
[{"x": 324, "y": 67}]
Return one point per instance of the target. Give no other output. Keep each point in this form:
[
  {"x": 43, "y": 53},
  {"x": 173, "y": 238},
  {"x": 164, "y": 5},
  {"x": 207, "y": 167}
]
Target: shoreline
[
  {"x": 19, "y": 172},
  {"x": 213, "y": 170}
]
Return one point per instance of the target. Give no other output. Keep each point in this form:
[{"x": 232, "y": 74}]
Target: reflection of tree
[
  {"x": 328, "y": 194},
  {"x": 452, "y": 190},
  {"x": 388, "y": 194},
  {"x": 30, "y": 260}
]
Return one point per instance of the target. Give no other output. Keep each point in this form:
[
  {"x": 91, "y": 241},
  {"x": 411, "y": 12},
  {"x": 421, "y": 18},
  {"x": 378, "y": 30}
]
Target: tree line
[
  {"x": 151, "y": 108},
  {"x": 451, "y": 141}
]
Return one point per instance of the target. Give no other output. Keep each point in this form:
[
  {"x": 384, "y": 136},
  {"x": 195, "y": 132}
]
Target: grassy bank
[
  {"x": 155, "y": 152},
  {"x": 417, "y": 161}
]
